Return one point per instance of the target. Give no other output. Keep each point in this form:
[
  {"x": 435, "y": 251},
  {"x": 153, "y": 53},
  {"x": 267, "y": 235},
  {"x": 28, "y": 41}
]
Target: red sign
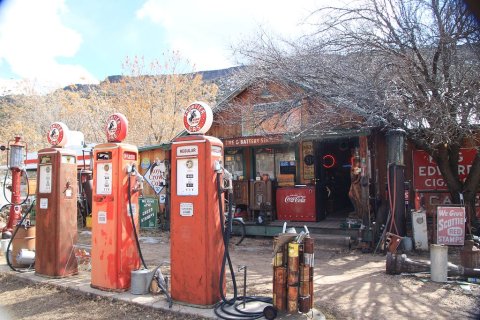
[
  {"x": 129, "y": 155},
  {"x": 426, "y": 174},
  {"x": 451, "y": 226},
  {"x": 198, "y": 118},
  {"x": 116, "y": 128}
]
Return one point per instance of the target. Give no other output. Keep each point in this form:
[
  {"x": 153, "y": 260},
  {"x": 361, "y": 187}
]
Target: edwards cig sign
[
  {"x": 451, "y": 226},
  {"x": 427, "y": 175}
]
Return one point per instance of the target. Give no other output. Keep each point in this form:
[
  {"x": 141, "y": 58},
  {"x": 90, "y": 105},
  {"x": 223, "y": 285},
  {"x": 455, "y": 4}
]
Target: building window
[
  {"x": 268, "y": 160},
  {"x": 234, "y": 163}
]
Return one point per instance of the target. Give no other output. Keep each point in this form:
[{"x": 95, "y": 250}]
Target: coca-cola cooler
[{"x": 296, "y": 204}]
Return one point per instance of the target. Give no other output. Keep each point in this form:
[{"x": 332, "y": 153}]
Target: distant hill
[{"x": 225, "y": 79}]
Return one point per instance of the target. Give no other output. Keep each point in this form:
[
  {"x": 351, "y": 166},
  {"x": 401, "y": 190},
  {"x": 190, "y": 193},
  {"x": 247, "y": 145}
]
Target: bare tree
[{"x": 409, "y": 64}]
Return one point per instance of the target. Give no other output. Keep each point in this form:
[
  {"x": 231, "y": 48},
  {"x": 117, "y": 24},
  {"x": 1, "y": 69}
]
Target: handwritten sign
[{"x": 451, "y": 225}]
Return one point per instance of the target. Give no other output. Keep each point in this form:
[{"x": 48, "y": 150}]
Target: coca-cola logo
[{"x": 293, "y": 198}]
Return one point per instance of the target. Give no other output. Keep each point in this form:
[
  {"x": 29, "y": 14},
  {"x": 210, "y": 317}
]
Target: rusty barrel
[
  {"x": 280, "y": 288},
  {"x": 292, "y": 303},
  {"x": 304, "y": 304},
  {"x": 470, "y": 255},
  {"x": 304, "y": 281},
  {"x": 293, "y": 264},
  {"x": 278, "y": 259}
]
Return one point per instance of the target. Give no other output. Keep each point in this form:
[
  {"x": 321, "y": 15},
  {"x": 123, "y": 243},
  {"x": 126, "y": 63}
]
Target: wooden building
[{"x": 301, "y": 174}]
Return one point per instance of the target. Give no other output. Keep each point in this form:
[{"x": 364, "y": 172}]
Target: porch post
[{"x": 396, "y": 181}]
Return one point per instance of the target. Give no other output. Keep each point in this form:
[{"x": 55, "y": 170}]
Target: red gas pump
[
  {"x": 56, "y": 206},
  {"x": 16, "y": 152},
  {"x": 114, "y": 253},
  {"x": 196, "y": 236}
]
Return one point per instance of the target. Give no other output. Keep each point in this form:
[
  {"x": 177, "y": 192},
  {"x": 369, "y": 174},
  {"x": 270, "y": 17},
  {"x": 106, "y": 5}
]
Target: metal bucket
[
  {"x": 141, "y": 280},
  {"x": 24, "y": 239},
  {"x": 407, "y": 244},
  {"x": 438, "y": 263}
]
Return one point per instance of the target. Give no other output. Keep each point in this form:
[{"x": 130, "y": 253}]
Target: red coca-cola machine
[{"x": 296, "y": 204}]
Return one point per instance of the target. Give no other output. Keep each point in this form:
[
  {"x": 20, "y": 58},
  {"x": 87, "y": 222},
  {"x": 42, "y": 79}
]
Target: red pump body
[
  {"x": 196, "y": 238},
  {"x": 56, "y": 213},
  {"x": 114, "y": 253}
]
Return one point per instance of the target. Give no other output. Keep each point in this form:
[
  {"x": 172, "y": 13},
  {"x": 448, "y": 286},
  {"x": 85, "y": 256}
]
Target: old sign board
[{"x": 451, "y": 225}]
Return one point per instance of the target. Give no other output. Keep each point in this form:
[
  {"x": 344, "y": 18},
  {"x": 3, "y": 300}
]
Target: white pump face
[{"x": 187, "y": 177}]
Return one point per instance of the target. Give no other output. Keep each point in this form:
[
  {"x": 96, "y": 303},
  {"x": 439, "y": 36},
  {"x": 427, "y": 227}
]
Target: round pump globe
[
  {"x": 58, "y": 134},
  {"x": 198, "y": 118},
  {"x": 116, "y": 128}
]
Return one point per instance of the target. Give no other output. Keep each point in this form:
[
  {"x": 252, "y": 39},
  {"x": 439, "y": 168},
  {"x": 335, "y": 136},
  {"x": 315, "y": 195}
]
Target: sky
[{"x": 46, "y": 44}]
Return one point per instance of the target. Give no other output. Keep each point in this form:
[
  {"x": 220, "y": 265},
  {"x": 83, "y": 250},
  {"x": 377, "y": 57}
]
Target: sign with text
[
  {"x": 426, "y": 174},
  {"x": 451, "y": 225},
  {"x": 252, "y": 141}
]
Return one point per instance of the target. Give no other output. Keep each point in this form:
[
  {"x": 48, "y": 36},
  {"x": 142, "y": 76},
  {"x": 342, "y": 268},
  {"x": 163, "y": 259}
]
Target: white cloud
[
  {"x": 32, "y": 37},
  {"x": 203, "y": 31}
]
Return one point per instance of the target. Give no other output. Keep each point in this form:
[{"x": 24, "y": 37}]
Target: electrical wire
[
  {"x": 233, "y": 304},
  {"x": 11, "y": 240}
]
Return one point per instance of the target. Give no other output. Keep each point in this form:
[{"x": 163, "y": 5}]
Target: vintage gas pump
[
  {"x": 16, "y": 152},
  {"x": 196, "y": 234},
  {"x": 114, "y": 253},
  {"x": 56, "y": 206}
]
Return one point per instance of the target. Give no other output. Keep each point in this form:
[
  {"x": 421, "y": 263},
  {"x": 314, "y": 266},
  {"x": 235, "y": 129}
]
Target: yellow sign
[{"x": 308, "y": 165}]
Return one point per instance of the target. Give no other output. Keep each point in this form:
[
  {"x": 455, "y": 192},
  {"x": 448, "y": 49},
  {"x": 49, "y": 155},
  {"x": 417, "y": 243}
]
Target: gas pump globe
[{"x": 16, "y": 154}]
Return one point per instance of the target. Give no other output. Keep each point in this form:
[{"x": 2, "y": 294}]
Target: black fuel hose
[
  {"x": 129, "y": 192},
  {"x": 13, "y": 237},
  {"x": 234, "y": 313}
]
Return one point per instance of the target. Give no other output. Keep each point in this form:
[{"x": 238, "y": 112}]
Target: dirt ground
[{"x": 348, "y": 285}]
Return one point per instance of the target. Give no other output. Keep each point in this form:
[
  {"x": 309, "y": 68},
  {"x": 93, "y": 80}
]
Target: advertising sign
[
  {"x": 427, "y": 176},
  {"x": 451, "y": 226},
  {"x": 156, "y": 176}
]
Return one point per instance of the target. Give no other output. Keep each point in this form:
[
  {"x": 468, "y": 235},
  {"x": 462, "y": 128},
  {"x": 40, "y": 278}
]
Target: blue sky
[{"x": 52, "y": 43}]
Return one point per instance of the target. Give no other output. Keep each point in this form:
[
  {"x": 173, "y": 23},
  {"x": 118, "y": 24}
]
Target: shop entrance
[{"x": 332, "y": 176}]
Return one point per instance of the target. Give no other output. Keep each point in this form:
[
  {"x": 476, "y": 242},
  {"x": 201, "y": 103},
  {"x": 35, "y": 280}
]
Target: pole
[{"x": 15, "y": 209}]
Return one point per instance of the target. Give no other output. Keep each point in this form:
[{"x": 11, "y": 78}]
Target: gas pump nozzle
[
  {"x": 227, "y": 176},
  {"x": 132, "y": 170},
  {"x": 227, "y": 181}
]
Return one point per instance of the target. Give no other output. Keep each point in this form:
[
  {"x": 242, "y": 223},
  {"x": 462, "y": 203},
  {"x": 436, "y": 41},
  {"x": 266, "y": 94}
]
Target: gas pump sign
[
  {"x": 104, "y": 178},
  {"x": 427, "y": 175}
]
